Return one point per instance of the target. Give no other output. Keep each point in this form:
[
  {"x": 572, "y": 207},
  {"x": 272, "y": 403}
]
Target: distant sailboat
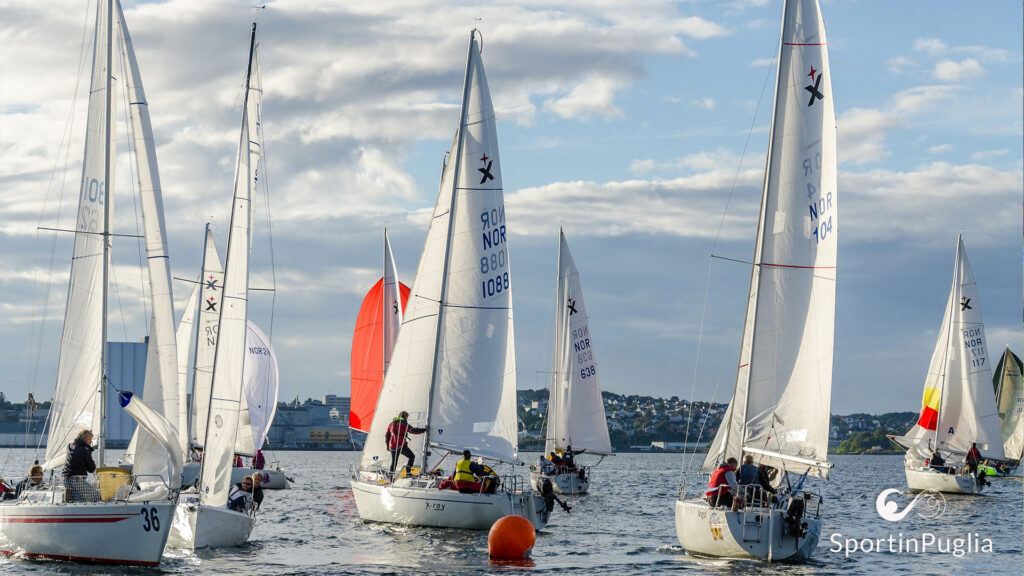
[
  {"x": 958, "y": 409},
  {"x": 373, "y": 341},
  {"x": 453, "y": 367},
  {"x": 129, "y": 524},
  {"x": 575, "y": 407},
  {"x": 1009, "y": 387},
  {"x": 779, "y": 413},
  {"x": 204, "y": 519}
]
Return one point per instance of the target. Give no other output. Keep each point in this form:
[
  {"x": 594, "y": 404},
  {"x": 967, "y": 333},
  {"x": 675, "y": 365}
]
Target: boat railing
[{"x": 115, "y": 486}]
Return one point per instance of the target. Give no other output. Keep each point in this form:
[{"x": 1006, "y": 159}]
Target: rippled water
[{"x": 625, "y": 526}]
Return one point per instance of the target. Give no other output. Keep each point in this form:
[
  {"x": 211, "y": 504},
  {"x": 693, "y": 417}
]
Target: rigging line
[
  {"x": 746, "y": 145},
  {"x": 85, "y": 232},
  {"x": 266, "y": 195}
]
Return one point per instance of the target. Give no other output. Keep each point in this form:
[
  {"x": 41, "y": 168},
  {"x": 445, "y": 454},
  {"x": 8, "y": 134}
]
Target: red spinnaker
[{"x": 368, "y": 356}]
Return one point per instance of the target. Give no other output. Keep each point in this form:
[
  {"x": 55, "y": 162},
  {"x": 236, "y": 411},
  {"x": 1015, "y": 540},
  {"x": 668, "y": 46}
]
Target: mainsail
[
  {"x": 575, "y": 407},
  {"x": 211, "y": 285},
  {"x": 453, "y": 367},
  {"x": 1010, "y": 403},
  {"x": 373, "y": 341},
  {"x": 780, "y": 406},
  {"x": 77, "y": 398},
  {"x": 957, "y": 408},
  {"x": 229, "y": 357}
]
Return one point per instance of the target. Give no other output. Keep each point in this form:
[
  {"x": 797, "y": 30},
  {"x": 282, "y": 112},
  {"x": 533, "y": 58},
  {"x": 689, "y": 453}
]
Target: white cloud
[
  {"x": 900, "y": 64},
  {"x": 932, "y": 46},
  {"x": 951, "y": 71},
  {"x": 940, "y": 148},
  {"x": 762, "y": 62},
  {"x": 594, "y": 96}
]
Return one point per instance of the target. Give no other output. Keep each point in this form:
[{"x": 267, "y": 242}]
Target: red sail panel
[{"x": 367, "y": 364}]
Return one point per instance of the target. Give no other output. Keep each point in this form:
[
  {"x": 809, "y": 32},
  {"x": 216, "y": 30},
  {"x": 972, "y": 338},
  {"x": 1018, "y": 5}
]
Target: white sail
[
  {"x": 155, "y": 425},
  {"x": 453, "y": 367},
  {"x": 958, "y": 407},
  {"x": 206, "y": 337},
  {"x": 161, "y": 384},
  {"x": 392, "y": 303},
  {"x": 780, "y": 405},
  {"x": 1009, "y": 387},
  {"x": 229, "y": 357},
  {"x": 575, "y": 408},
  {"x": 77, "y": 398},
  {"x": 183, "y": 336},
  {"x": 260, "y": 376}
]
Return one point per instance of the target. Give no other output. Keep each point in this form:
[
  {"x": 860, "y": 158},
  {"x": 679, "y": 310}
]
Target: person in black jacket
[
  {"x": 79, "y": 463},
  {"x": 257, "y": 490}
]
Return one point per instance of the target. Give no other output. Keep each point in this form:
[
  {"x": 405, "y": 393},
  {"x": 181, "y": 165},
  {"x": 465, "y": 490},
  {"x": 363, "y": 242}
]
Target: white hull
[
  {"x": 567, "y": 483},
  {"x": 102, "y": 532},
  {"x": 199, "y": 526},
  {"x": 272, "y": 479},
  {"x": 756, "y": 533},
  {"x": 920, "y": 479},
  {"x": 420, "y": 503}
]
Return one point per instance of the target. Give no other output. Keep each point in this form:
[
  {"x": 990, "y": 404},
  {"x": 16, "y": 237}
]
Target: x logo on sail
[
  {"x": 211, "y": 283},
  {"x": 486, "y": 171},
  {"x": 572, "y": 306},
  {"x": 965, "y": 303},
  {"x": 815, "y": 93},
  {"x": 211, "y": 305}
]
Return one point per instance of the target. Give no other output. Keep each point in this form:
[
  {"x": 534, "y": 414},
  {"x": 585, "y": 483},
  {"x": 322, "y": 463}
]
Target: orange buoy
[{"x": 511, "y": 537}]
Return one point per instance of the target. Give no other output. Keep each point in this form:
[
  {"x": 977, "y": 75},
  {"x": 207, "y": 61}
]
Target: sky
[{"x": 640, "y": 127}]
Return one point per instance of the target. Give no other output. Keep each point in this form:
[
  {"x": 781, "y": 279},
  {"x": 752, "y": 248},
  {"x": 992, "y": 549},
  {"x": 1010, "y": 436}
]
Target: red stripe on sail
[
  {"x": 368, "y": 356},
  {"x": 929, "y": 418}
]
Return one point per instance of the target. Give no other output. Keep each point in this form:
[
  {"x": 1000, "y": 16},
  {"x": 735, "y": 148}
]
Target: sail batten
[{"x": 782, "y": 394}]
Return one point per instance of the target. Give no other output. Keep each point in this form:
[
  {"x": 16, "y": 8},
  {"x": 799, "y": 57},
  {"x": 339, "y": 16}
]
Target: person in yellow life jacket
[
  {"x": 467, "y": 473},
  {"x": 723, "y": 488}
]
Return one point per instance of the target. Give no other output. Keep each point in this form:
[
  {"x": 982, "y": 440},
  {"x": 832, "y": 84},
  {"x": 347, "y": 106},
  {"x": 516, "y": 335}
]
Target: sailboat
[
  {"x": 203, "y": 518},
  {"x": 957, "y": 409},
  {"x": 129, "y": 525},
  {"x": 453, "y": 367},
  {"x": 575, "y": 408},
  {"x": 779, "y": 412},
  {"x": 197, "y": 331},
  {"x": 373, "y": 341},
  {"x": 1009, "y": 387}
]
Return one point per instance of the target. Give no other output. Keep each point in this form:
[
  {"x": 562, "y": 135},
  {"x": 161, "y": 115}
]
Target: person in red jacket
[
  {"x": 723, "y": 487},
  {"x": 396, "y": 439},
  {"x": 973, "y": 457}
]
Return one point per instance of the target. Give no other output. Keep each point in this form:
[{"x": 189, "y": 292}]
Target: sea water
[{"x": 626, "y": 525}]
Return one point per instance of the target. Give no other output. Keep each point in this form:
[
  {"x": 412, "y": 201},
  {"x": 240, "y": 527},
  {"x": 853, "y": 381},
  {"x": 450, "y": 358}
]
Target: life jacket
[
  {"x": 395, "y": 435},
  {"x": 462, "y": 471},
  {"x": 718, "y": 484}
]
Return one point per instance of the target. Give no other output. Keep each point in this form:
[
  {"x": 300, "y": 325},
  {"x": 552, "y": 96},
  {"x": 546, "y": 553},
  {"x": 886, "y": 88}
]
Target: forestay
[
  {"x": 780, "y": 405},
  {"x": 453, "y": 367},
  {"x": 958, "y": 407},
  {"x": 575, "y": 408}
]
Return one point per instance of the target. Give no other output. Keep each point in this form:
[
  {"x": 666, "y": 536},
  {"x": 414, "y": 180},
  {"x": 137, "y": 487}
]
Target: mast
[
  {"x": 558, "y": 352},
  {"x": 108, "y": 179},
  {"x": 448, "y": 241},
  {"x": 383, "y": 311}
]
